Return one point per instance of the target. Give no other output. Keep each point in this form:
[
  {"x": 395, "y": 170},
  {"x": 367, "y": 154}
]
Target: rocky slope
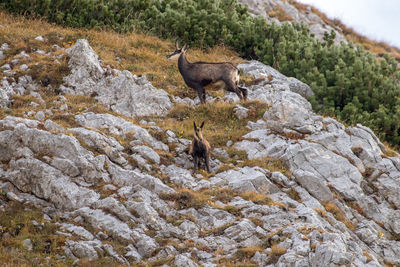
[{"x": 336, "y": 204}]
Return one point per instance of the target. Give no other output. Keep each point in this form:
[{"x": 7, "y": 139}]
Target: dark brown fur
[
  {"x": 200, "y": 148},
  {"x": 199, "y": 74}
]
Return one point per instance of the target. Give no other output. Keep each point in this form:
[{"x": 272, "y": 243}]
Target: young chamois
[
  {"x": 199, "y": 74},
  {"x": 200, "y": 148}
]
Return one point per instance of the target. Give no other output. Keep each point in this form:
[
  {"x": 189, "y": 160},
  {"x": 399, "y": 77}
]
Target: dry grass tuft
[
  {"x": 354, "y": 205},
  {"x": 247, "y": 253},
  {"x": 257, "y": 198},
  {"x": 216, "y": 231},
  {"x": 221, "y": 124},
  {"x": 224, "y": 194},
  {"x": 367, "y": 256},
  {"x": 186, "y": 198},
  {"x": 339, "y": 214},
  {"x": 275, "y": 253}
]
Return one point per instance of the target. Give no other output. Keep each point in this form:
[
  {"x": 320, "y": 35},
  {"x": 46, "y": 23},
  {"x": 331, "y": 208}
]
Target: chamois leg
[
  {"x": 244, "y": 92},
  {"x": 201, "y": 93},
  {"x": 195, "y": 163},
  {"x": 207, "y": 158},
  {"x": 232, "y": 87}
]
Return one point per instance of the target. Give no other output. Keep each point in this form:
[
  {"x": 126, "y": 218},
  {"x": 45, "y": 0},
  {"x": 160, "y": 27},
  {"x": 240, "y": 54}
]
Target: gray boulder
[
  {"x": 246, "y": 179},
  {"x": 85, "y": 249},
  {"x": 278, "y": 80},
  {"x": 147, "y": 153},
  {"x": 45, "y": 182},
  {"x": 122, "y": 92},
  {"x": 101, "y": 143}
]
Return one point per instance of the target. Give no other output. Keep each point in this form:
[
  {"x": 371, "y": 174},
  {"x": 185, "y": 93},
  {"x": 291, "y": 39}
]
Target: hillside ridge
[
  {"x": 278, "y": 11},
  {"x": 95, "y": 168}
]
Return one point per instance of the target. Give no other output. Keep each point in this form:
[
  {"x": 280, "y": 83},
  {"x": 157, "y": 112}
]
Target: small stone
[
  {"x": 14, "y": 62},
  {"x": 183, "y": 260},
  {"x": 23, "y": 67},
  {"x": 13, "y": 196},
  {"x": 6, "y": 67},
  {"x": 101, "y": 236},
  {"x": 30, "y": 113},
  {"x": 64, "y": 107},
  {"x": 221, "y": 152},
  {"x": 170, "y": 134},
  {"x": 5, "y": 46},
  {"x": 53, "y": 127},
  {"x": 39, "y": 38},
  {"x": 40, "y": 115},
  {"x": 110, "y": 187},
  {"x": 34, "y": 104},
  {"x": 40, "y": 52},
  {"x": 132, "y": 253},
  {"x": 27, "y": 243},
  {"x": 23, "y": 54},
  {"x": 241, "y": 112},
  {"x": 229, "y": 143}
]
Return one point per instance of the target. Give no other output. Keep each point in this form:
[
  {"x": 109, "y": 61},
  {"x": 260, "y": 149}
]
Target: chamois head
[
  {"x": 178, "y": 51},
  {"x": 198, "y": 132}
]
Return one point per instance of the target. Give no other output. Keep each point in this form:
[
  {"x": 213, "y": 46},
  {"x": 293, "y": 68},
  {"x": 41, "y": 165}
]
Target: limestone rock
[
  {"x": 122, "y": 92},
  {"x": 147, "y": 153},
  {"x": 106, "y": 145},
  {"x": 246, "y": 179},
  {"x": 33, "y": 176},
  {"x": 118, "y": 126},
  {"x": 85, "y": 249},
  {"x": 241, "y": 112}
]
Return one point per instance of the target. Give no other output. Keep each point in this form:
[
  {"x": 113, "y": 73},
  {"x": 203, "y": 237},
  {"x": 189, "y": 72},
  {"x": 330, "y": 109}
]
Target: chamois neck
[
  {"x": 198, "y": 137},
  {"x": 182, "y": 62}
]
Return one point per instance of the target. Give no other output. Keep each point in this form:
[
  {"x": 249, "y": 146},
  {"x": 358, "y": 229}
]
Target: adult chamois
[
  {"x": 199, "y": 74},
  {"x": 200, "y": 148}
]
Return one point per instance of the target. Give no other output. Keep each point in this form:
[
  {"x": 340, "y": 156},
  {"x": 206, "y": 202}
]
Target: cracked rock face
[{"x": 327, "y": 159}]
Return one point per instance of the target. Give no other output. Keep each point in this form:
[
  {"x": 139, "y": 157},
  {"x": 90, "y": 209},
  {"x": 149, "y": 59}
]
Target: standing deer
[
  {"x": 200, "y": 148},
  {"x": 199, "y": 74}
]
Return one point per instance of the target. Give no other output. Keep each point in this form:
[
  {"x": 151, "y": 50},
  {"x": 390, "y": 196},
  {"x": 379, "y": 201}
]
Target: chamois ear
[
  {"x": 202, "y": 124},
  {"x": 185, "y": 47},
  {"x": 194, "y": 127},
  {"x": 177, "y": 44}
]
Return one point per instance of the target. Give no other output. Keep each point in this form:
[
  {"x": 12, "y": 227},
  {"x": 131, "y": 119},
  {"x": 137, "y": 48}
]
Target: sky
[{"x": 376, "y": 19}]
